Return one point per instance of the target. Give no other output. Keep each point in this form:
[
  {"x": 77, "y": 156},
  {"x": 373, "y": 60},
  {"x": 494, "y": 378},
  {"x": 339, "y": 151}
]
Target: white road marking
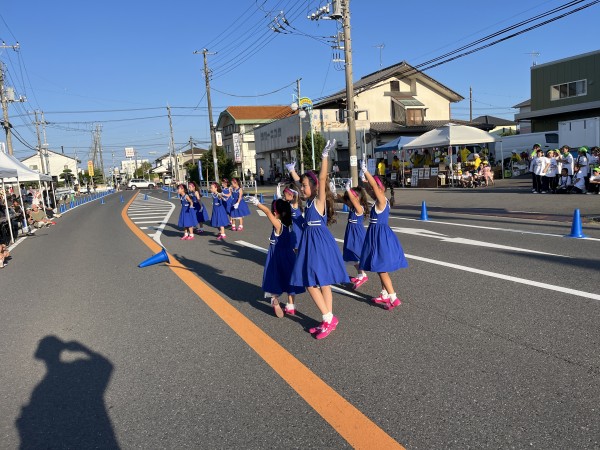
[
  {"x": 260, "y": 213},
  {"x": 333, "y": 288},
  {"x": 153, "y": 207},
  {"x": 444, "y": 238},
  {"x": 508, "y": 230}
]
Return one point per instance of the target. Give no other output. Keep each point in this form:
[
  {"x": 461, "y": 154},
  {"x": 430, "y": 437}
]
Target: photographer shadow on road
[{"x": 66, "y": 409}]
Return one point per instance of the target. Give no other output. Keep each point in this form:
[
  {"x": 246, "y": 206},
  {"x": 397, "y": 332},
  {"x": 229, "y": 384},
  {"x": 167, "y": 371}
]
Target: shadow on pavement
[{"x": 66, "y": 409}]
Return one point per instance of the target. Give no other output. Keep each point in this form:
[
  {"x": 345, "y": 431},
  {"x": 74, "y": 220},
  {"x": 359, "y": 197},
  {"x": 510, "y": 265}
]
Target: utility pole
[
  {"x": 99, "y": 128},
  {"x": 470, "y": 104},
  {"x": 6, "y": 123},
  {"x": 213, "y": 138},
  {"x": 39, "y": 144},
  {"x": 350, "y": 117},
  {"x": 192, "y": 149},
  {"x": 301, "y": 140},
  {"x": 171, "y": 148}
]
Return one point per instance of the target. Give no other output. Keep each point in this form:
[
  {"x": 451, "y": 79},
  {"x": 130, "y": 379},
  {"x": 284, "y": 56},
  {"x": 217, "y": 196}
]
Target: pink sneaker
[
  {"x": 381, "y": 300},
  {"x": 391, "y": 305},
  {"x": 241, "y": 227},
  {"x": 327, "y": 328},
  {"x": 190, "y": 237},
  {"x": 360, "y": 281},
  {"x": 184, "y": 237},
  {"x": 233, "y": 228},
  {"x": 219, "y": 237},
  {"x": 353, "y": 280},
  {"x": 290, "y": 311},
  {"x": 334, "y": 323}
]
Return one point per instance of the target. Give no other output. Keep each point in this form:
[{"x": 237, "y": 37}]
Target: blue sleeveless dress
[
  {"x": 227, "y": 203},
  {"x": 319, "y": 261},
  {"x": 201, "y": 212},
  {"x": 297, "y": 225},
  {"x": 219, "y": 214},
  {"x": 381, "y": 251},
  {"x": 242, "y": 210},
  {"x": 187, "y": 216},
  {"x": 354, "y": 237},
  {"x": 280, "y": 262}
]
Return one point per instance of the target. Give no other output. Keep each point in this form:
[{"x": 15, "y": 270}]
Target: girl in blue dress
[
  {"x": 187, "y": 216},
  {"x": 201, "y": 212},
  {"x": 291, "y": 195},
  {"x": 239, "y": 208},
  {"x": 218, "y": 219},
  {"x": 381, "y": 252},
  {"x": 226, "y": 197},
  {"x": 354, "y": 237},
  {"x": 319, "y": 262},
  {"x": 280, "y": 258}
]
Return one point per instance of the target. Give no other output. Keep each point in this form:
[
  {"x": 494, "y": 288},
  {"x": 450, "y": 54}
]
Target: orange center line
[{"x": 356, "y": 428}]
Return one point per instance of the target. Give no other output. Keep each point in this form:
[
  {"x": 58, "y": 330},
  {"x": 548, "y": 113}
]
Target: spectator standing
[
  {"x": 567, "y": 160},
  {"x": 583, "y": 162},
  {"x": 261, "y": 175},
  {"x": 551, "y": 175},
  {"x": 536, "y": 168}
]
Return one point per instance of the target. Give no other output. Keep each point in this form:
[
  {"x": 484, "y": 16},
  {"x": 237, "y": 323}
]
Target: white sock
[
  {"x": 384, "y": 293},
  {"x": 290, "y": 306},
  {"x": 328, "y": 317},
  {"x": 393, "y": 296}
]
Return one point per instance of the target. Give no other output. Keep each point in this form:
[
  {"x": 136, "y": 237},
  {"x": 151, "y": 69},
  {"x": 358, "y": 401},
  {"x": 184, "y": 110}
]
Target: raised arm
[
  {"x": 291, "y": 168},
  {"x": 322, "y": 188},
  {"x": 381, "y": 199},
  {"x": 354, "y": 198},
  {"x": 274, "y": 220}
]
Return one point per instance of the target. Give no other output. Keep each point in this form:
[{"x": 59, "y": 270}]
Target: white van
[{"x": 505, "y": 145}]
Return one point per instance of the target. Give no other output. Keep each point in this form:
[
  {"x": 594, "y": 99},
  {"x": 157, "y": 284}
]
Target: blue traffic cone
[
  {"x": 345, "y": 208},
  {"x": 424, "y": 211},
  {"x": 260, "y": 198},
  {"x": 160, "y": 257},
  {"x": 102, "y": 202},
  {"x": 576, "y": 231},
  {"x": 122, "y": 199}
]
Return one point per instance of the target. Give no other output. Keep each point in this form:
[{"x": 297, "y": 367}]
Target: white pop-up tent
[
  {"x": 6, "y": 172},
  {"x": 24, "y": 172},
  {"x": 449, "y": 135}
]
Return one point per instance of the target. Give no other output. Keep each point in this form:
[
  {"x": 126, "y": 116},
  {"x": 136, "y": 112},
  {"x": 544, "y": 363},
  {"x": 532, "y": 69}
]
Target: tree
[
  {"x": 67, "y": 175},
  {"x": 144, "y": 168},
  {"x": 307, "y": 149},
  {"x": 225, "y": 165}
]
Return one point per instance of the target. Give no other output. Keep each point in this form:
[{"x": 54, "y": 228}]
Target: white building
[
  {"x": 128, "y": 166},
  {"x": 57, "y": 163}
]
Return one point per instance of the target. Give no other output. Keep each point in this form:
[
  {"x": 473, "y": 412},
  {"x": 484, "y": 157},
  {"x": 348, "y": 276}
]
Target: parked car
[{"x": 140, "y": 183}]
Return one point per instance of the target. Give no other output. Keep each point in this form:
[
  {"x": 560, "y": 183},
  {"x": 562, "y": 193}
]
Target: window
[
  {"x": 414, "y": 117},
  {"x": 398, "y": 113},
  {"x": 568, "y": 90},
  {"x": 395, "y": 86}
]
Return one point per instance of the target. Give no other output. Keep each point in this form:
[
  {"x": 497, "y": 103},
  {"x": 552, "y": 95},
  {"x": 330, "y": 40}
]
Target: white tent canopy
[
  {"x": 24, "y": 172},
  {"x": 451, "y": 134},
  {"x": 7, "y": 172}
]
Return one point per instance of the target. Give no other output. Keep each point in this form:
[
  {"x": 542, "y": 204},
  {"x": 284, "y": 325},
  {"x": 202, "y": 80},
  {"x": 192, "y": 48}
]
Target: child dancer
[
  {"x": 281, "y": 256},
  {"x": 239, "y": 208},
  {"x": 319, "y": 263},
  {"x": 226, "y": 196},
  {"x": 187, "y": 216},
  {"x": 354, "y": 237},
  {"x": 201, "y": 213},
  {"x": 291, "y": 195},
  {"x": 218, "y": 219},
  {"x": 381, "y": 252}
]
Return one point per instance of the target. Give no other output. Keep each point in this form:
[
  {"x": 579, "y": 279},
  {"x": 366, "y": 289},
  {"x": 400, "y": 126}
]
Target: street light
[{"x": 305, "y": 105}]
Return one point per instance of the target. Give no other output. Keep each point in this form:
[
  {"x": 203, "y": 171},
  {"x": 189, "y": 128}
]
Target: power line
[{"x": 257, "y": 95}]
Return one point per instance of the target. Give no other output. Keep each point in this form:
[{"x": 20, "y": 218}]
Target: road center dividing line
[{"x": 356, "y": 428}]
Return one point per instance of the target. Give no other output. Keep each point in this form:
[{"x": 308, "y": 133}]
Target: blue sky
[{"x": 78, "y": 57}]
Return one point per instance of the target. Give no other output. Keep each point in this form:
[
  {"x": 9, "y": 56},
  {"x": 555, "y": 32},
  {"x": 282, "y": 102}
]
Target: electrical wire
[{"x": 257, "y": 95}]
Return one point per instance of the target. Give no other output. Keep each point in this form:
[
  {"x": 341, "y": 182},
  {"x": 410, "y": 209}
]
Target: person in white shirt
[
  {"x": 536, "y": 167},
  {"x": 578, "y": 181},
  {"x": 551, "y": 175},
  {"x": 567, "y": 159},
  {"x": 583, "y": 162},
  {"x": 564, "y": 182},
  {"x": 595, "y": 181}
]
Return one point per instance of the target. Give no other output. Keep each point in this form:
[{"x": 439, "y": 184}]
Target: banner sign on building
[
  {"x": 200, "y": 177},
  {"x": 219, "y": 138},
  {"x": 237, "y": 148}
]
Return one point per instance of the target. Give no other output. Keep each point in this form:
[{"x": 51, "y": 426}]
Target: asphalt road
[{"x": 495, "y": 345}]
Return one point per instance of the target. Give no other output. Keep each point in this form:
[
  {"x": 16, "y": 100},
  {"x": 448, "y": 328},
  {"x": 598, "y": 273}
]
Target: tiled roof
[
  {"x": 259, "y": 113},
  {"x": 394, "y": 128},
  {"x": 499, "y": 122},
  {"x": 400, "y": 70}
]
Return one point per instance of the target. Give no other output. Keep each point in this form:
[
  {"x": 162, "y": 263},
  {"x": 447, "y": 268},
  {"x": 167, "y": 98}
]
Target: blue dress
[
  {"x": 201, "y": 212},
  {"x": 319, "y": 261},
  {"x": 354, "y": 237},
  {"x": 297, "y": 225},
  {"x": 187, "y": 216},
  {"x": 280, "y": 262},
  {"x": 381, "y": 251},
  {"x": 228, "y": 202},
  {"x": 242, "y": 210},
  {"x": 219, "y": 214}
]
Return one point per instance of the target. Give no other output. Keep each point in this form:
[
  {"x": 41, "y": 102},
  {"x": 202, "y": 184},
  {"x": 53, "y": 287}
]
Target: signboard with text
[
  {"x": 129, "y": 152},
  {"x": 91, "y": 168},
  {"x": 237, "y": 148}
]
